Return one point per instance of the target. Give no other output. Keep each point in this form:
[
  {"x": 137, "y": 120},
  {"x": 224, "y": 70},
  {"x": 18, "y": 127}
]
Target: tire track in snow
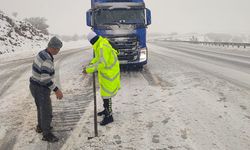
[
  {"x": 67, "y": 113},
  {"x": 233, "y": 74},
  {"x": 19, "y": 67},
  {"x": 9, "y": 79},
  {"x": 15, "y": 126},
  {"x": 237, "y": 62}
]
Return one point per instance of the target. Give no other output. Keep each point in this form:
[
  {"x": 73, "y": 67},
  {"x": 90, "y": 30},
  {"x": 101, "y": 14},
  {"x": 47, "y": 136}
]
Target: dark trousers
[
  {"x": 107, "y": 104},
  {"x": 44, "y": 108}
]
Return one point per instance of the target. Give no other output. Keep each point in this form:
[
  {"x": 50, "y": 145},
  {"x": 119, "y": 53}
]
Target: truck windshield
[{"x": 119, "y": 16}]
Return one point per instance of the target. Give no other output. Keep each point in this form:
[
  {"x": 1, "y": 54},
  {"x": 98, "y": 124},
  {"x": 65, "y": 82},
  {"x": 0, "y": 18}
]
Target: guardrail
[{"x": 223, "y": 44}]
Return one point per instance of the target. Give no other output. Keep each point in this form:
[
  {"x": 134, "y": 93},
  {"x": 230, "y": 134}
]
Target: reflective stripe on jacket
[{"x": 107, "y": 65}]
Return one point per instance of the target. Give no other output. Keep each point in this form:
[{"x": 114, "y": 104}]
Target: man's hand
[{"x": 59, "y": 94}]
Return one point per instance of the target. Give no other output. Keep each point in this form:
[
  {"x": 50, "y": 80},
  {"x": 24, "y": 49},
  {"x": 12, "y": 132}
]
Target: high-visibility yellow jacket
[{"x": 107, "y": 65}]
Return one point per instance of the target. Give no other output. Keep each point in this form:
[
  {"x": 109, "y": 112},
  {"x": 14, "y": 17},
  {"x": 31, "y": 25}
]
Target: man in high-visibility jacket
[{"x": 107, "y": 65}]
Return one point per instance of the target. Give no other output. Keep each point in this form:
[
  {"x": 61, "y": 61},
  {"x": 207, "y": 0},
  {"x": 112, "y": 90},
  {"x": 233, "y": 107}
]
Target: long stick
[{"x": 95, "y": 116}]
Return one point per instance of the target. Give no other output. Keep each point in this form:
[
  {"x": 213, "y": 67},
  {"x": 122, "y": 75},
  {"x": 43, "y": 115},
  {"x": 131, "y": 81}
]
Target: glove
[{"x": 84, "y": 70}]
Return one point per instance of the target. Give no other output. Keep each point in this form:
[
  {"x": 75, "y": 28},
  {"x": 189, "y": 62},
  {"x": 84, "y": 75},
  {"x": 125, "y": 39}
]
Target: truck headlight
[{"x": 143, "y": 56}]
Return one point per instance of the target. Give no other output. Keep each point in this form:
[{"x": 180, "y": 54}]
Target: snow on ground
[
  {"x": 17, "y": 109},
  {"x": 71, "y": 82},
  {"x": 27, "y": 52},
  {"x": 169, "y": 105},
  {"x": 17, "y": 35},
  {"x": 234, "y": 49},
  {"x": 207, "y": 37}
]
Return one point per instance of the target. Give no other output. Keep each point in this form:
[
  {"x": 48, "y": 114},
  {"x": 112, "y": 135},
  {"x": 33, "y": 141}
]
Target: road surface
[{"x": 187, "y": 97}]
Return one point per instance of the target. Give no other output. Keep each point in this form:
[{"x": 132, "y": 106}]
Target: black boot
[
  {"x": 105, "y": 105},
  {"x": 39, "y": 129},
  {"x": 101, "y": 113},
  {"x": 50, "y": 138},
  {"x": 106, "y": 120}
]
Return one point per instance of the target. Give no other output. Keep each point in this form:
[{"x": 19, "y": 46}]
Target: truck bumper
[
  {"x": 143, "y": 58},
  {"x": 134, "y": 63}
]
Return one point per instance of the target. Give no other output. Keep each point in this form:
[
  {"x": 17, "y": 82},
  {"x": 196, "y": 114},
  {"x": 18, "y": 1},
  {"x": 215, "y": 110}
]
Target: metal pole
[{"x": 95, "y": 112}]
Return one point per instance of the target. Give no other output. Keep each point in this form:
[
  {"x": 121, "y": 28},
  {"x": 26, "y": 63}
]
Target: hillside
[{"x": 17, "y": 35}]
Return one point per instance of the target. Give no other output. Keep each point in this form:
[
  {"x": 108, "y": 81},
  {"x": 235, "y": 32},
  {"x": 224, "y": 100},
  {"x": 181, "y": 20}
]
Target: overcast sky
[{"x": 182, "y": 16}]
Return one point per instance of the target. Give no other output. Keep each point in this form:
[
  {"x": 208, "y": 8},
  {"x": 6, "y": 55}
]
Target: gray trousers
[{"x": 44, "y": 108}]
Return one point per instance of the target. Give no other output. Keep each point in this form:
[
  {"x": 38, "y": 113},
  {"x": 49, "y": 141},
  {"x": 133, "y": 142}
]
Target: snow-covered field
[
  {"x": 28, "y": 52},
  {"x": 188, "y": 97}
]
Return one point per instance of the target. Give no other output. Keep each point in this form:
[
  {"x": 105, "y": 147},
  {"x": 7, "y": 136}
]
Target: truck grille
[{"x": 127, "y": 45}]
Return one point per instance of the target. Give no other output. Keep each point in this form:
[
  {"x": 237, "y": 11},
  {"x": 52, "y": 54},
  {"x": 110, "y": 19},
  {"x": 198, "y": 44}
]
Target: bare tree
[{"x": 39, "y": 23}]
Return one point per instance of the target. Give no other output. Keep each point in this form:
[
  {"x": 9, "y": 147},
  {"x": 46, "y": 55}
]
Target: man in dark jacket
[{"x": 41, "y": 85}]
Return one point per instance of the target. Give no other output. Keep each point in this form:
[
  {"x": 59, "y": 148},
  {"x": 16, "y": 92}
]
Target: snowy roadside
[
  {"x": 75, "y": 100},
  {"x": 135, "y": 114},
  {"x": 169, "y": 106},
  {"x": 27, "y": 52},
  {"x": 17, "y": 109}
]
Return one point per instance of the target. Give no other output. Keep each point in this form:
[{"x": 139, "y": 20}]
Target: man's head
[
  {"x": 54, "y": 45},
  {"x": 92, "y": 37}
]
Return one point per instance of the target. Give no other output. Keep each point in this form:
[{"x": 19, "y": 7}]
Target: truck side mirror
[
  {"x": 148, "y": 16},
  {"x": 89, "y": 18}
]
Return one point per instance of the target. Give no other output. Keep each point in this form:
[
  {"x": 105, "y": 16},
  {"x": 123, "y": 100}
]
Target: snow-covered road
[
  {"x": 188, "y": 97},
  {"x": 231, "y": 65},
  {"x": 18, "y": 112}
]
